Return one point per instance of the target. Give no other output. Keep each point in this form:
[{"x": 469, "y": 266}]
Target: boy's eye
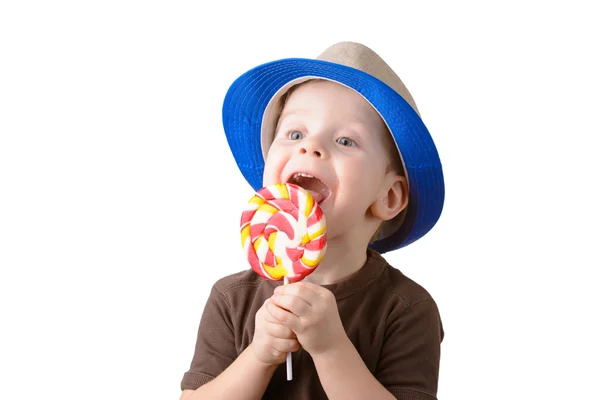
[
  {"x": 344, "y": 141},
  {"x": 296, "y": 135}
]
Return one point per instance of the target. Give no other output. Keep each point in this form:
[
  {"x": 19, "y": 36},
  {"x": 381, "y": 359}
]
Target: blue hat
[{"x": 251, "y": 107}]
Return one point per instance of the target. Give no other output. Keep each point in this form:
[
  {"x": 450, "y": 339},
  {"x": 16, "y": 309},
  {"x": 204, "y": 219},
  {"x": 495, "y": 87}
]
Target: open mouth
[{"x": 318, "y": 190}]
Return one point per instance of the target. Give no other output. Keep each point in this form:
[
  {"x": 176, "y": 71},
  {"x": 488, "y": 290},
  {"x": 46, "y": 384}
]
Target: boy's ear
[{"x": 392, "y": 199}]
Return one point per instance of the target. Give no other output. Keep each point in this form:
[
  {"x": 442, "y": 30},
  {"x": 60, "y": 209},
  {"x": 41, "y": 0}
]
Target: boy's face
[{"x": 329, "y": 140}]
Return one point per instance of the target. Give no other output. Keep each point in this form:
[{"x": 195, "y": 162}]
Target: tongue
[
  {"x": 315, "y": 187},
  {"x": 317, "y": 197}
]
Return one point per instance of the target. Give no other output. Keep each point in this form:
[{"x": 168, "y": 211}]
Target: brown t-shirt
[{"x": 392, "y": 321}]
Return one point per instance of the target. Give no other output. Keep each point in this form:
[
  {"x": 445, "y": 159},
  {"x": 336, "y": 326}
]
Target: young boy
[{"x": 345, "y": 128}]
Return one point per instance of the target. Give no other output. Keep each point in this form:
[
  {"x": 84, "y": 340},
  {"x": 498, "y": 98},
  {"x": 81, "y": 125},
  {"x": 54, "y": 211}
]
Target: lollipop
[{"x": 283, "y": 235}]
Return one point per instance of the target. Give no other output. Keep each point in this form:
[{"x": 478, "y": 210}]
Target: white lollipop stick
[{"x": 288, "y": 360}]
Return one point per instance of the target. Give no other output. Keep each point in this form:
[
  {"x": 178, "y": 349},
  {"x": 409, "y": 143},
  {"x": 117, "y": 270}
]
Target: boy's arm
[
  {"x": 245, "y": 378},
  {"x": 344, "y": 375}
]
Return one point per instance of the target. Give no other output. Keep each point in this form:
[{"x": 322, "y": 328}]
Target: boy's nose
[
  {"x": 312, "y": 147},
  {"x": 304, "y": 150}
]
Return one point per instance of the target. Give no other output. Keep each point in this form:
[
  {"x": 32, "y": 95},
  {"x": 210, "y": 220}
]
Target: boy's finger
[
  {"x": 285, "y": 345},
  {"x": 293, "y": 304},
  {"x": 280, "y": 331},
  {"x": 282, "y": 316},
  {"x": 303, "y": 290},
  {"x": 268, "y": 317}
]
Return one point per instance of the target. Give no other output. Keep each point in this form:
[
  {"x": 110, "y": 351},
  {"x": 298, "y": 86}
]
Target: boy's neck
[{"x": 340, "y": 262}]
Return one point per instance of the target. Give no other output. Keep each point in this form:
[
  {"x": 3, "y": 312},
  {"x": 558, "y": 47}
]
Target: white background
[{"x": 120, "y": 200}]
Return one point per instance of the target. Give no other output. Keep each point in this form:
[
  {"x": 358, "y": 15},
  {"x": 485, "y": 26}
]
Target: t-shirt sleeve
[
  {"x": 215, "y": 345},
  {"x": 409, "y": 363}
]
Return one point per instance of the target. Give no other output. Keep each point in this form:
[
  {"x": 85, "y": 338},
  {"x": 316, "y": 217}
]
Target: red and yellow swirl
[{"x": 283, "y": 232}]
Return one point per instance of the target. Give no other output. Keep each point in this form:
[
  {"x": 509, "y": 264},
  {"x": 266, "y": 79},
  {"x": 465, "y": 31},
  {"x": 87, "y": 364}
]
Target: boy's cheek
[
  {"x": 268, "y": 172},
  {"x": 268, "y": 178},
  {"x": 272, "y": 171}
]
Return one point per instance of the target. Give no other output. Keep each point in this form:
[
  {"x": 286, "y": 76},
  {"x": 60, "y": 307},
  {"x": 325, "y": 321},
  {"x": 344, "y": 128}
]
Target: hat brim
[{"x": 249, "y": 95}]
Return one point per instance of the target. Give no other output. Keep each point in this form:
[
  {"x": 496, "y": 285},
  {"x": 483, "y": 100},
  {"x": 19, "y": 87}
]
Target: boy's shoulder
[
  {"x": 246, "y": 277},
  {"x": 399, "y": 293},
  {"x": 243, "y": 284},
  {"x": 393, "y": 282}
]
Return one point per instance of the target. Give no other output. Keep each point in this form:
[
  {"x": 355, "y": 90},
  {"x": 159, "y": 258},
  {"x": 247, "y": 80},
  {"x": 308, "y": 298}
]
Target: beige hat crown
[{"x": 361, "y": 57}]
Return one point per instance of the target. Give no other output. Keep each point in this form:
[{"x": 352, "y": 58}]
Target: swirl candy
[{"x": 283, "y": 232}]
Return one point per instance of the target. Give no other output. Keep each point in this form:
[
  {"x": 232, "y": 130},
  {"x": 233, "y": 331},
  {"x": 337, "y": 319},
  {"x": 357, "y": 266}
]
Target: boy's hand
[
  {"x": 272, "y": 340},
  {"x": 311, "y": 312}
]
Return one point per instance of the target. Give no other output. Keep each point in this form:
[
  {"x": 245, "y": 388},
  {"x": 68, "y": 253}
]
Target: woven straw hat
[{"x": 251, "y": 108}]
